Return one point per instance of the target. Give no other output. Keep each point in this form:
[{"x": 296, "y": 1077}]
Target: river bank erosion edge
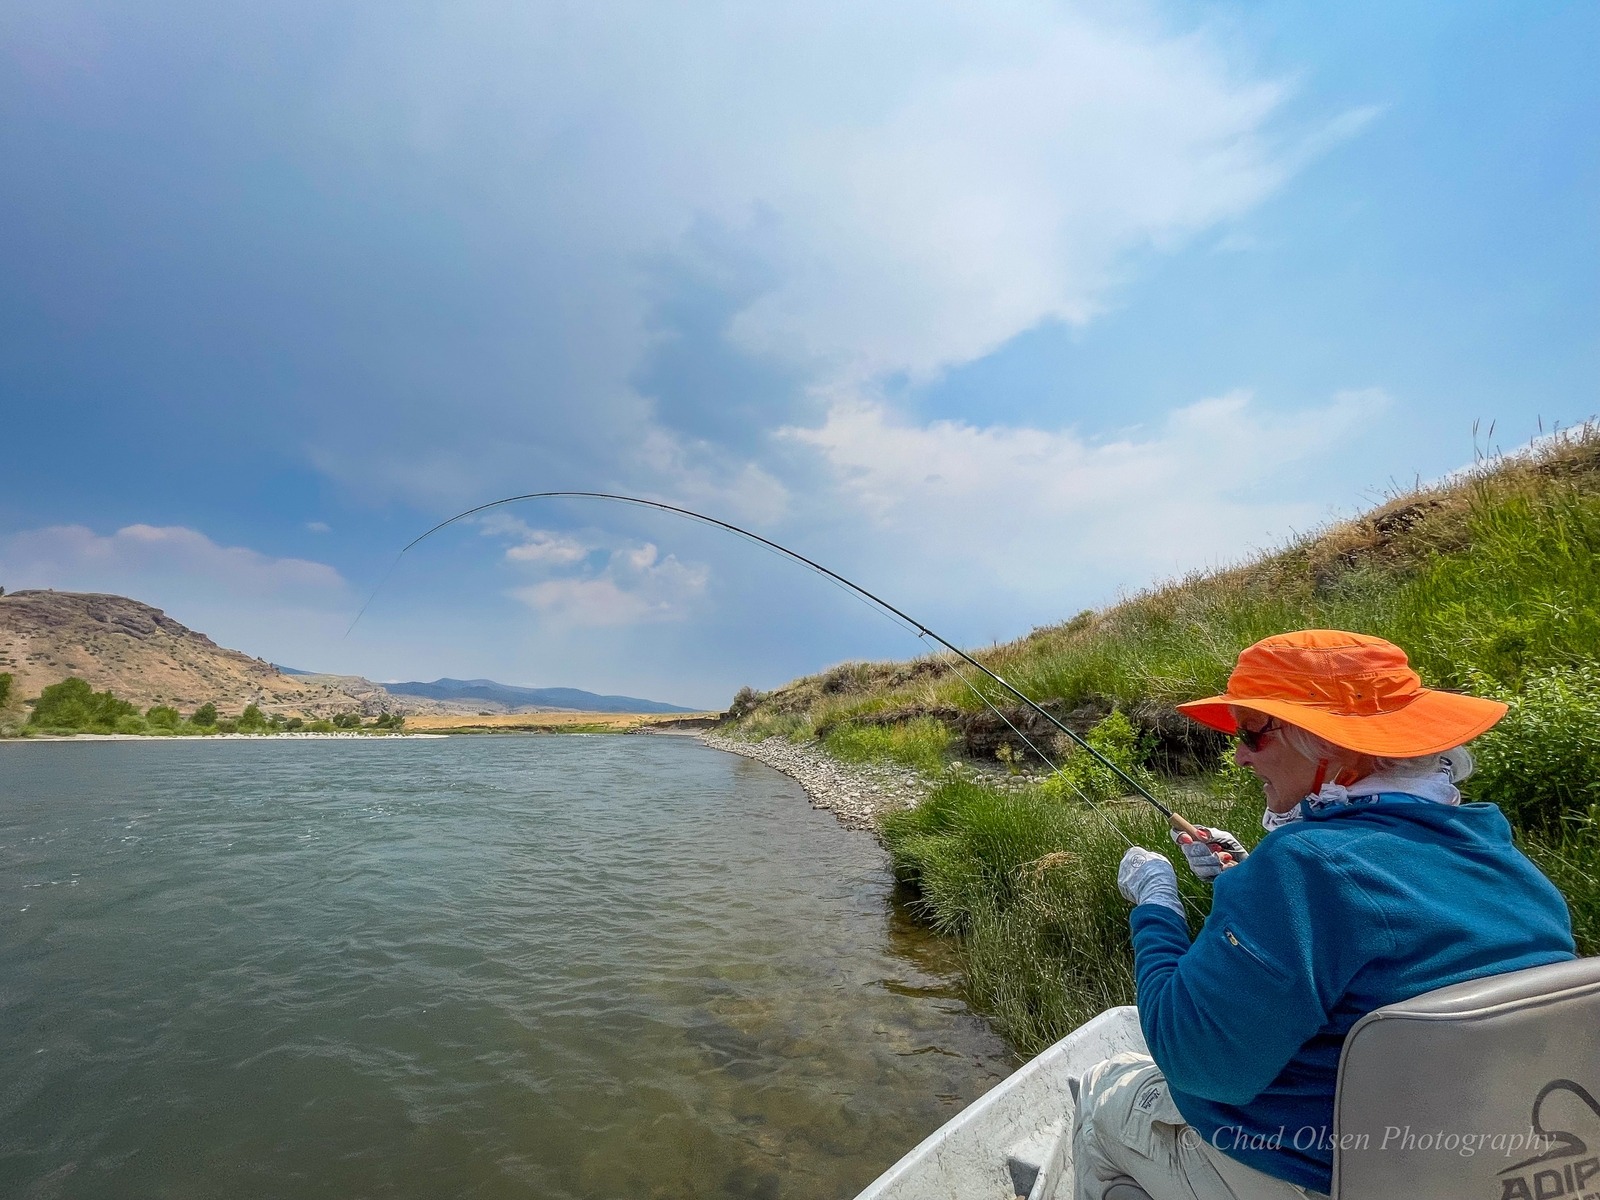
[{"x": 858, "y": 794}]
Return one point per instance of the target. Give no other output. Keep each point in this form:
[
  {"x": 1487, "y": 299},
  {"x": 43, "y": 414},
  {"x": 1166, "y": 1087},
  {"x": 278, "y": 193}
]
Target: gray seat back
[{"x": 1486, "y": 1090}]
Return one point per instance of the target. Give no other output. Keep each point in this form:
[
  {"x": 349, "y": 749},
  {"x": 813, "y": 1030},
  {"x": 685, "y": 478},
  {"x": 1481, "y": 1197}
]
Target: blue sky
[{"x": 1004, "y": 310}]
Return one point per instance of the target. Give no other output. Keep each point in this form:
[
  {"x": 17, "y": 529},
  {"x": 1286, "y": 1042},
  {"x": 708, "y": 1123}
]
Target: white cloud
[
  {"x": 1007, "y": 189},
  {"x": 284, "y": 609},
  {"x": 700, "y": 475},
  {"x": 534, "y": 547},
  {"x": 1029, "y": 508},
  {"x": 554, "y": 549},
  {"x": 319, "y": 527},
  {"x": 636, "y": 586},
  {"x": 75, "y": 558},
  {"x": 921, "y": 180}
]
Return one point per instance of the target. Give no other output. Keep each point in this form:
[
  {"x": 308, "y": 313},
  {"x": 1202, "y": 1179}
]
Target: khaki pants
[{"x": 1128, "y": 1128}]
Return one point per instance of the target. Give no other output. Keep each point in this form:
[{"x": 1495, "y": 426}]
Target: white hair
[{"x": 1458, "y": 761}]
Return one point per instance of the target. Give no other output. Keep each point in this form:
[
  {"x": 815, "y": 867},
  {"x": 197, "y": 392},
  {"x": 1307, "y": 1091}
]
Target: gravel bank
[{"x": 858, "y": 794}]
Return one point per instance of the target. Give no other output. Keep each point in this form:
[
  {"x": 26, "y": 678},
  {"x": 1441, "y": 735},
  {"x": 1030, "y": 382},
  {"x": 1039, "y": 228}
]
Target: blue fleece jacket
[{"x": 1355, "y": 907}]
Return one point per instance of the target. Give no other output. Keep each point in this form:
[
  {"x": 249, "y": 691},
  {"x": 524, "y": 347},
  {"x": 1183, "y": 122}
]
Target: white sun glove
[
  {"x": 1205, "y": 858},
  {"x": 1146, "y": 877}
]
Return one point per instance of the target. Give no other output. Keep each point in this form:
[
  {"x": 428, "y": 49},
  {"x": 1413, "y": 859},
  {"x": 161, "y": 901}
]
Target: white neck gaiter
[{"x": 1437, "y": 788}]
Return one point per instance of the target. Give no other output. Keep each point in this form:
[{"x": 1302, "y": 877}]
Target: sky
[{"x": 1003, "y": 311}]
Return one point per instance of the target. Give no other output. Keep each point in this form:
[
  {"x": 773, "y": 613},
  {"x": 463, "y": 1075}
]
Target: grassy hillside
[{"x": 1491, "y": 582}]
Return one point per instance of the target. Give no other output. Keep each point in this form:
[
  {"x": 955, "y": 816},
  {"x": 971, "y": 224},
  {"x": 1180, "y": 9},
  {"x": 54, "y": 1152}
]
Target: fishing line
[{"x": 921, "y": 630}]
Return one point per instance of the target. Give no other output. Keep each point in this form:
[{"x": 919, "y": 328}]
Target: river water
[{"x": 477, "y": 967}]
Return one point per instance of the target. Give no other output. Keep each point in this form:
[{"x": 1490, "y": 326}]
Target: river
[{"x": 477, "y": 967}]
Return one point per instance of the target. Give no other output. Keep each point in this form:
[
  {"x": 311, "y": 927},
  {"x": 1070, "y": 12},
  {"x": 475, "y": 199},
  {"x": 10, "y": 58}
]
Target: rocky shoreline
[{"x": 858, "y": 794}]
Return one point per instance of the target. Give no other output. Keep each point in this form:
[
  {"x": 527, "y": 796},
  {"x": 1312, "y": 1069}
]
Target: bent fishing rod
[{"x": 1174, "y": 819}]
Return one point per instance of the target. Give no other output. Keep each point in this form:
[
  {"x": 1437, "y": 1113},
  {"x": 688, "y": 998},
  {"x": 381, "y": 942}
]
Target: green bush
[
  {"x": 294, "y": 724},
  {"x": 252, "y": 720},
  {"x": 922, "y": 742},
  {"x": 73, "y": 706},
  {"x": 347, "y": 720},
  {"x": 162, "y": 716},
  {"x": 130, "y": 723},
  {"x": 205, "y": 715},
  {"x": 5, "y": 688},
  {"x": 1080, "y": 773},
  {"x": 320, "y": 726},
  {"x": 1541, "y": 764}
]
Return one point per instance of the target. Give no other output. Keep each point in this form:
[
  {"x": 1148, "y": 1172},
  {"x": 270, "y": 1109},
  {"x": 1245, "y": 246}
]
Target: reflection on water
[{"x": 498, "y": 966}]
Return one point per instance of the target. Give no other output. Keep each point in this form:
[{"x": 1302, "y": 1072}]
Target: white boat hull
[{"x": 1017, "y": 1139}]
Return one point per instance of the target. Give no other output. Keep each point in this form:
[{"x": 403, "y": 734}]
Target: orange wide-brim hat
[{"x": 1356, "y": 691}]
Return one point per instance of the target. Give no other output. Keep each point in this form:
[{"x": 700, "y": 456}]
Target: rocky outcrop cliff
[{"x": 144, "y": 656}]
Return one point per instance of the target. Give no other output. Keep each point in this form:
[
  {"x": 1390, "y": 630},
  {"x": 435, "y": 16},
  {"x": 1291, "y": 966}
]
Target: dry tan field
[{"x": 551, "y": 722}]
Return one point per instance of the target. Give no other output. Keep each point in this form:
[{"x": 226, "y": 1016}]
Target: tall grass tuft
[{"x": 1027, "y": 881}]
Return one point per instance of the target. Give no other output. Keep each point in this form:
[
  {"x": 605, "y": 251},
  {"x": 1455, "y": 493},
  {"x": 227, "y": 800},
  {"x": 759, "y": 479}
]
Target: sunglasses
[{"x": 1251, "y": 739}]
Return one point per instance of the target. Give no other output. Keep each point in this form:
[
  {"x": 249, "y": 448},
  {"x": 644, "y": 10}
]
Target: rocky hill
[{"x": 144, "y": 656}]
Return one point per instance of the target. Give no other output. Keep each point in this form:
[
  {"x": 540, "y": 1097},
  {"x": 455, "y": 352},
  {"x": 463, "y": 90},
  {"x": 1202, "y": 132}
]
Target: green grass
[
  {"x": 923, "y": 743},
  {"x": 1490, "y": 583}
]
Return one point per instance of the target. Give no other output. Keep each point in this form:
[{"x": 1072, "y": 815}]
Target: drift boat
[{"x": 1484, "y": 1090}]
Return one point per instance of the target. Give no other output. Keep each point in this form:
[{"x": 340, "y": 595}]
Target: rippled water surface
[{"x": 487, "y": 967}]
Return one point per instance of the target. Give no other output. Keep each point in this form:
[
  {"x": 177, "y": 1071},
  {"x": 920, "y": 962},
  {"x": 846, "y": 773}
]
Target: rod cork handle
[{"x": 1178, "y": 822}]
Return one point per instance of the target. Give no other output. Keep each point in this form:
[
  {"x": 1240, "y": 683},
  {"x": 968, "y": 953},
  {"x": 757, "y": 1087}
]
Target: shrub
[
  {"x": 347, "y": 720},
  {"x": 130, "y": 723},
  {"x": 294, "y": 724},
  {"x": 72, "y": 705},
  {"x": 5, "y": 687},
  {"x": 205, "y": 715},
  {"x": 744, "y": 702},
  {"x": 1541, "y": 764},
  {"x": 1080, "y": 773},
  {"x": 162, "y": 716},
  {"x": 320, "y": 726}
]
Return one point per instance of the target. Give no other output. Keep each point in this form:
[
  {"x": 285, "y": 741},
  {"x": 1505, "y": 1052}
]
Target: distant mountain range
[
  {"x": 505, "y": 697},
  {"x": 144, "y": 656}
]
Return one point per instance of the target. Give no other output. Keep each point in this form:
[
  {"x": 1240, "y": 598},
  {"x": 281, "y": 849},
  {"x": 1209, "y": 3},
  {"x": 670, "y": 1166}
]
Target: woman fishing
[{"x": 1375, "y": 884}]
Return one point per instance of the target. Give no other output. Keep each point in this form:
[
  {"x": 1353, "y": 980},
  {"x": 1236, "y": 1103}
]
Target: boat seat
[{"x": 1485, "y": 1090}]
